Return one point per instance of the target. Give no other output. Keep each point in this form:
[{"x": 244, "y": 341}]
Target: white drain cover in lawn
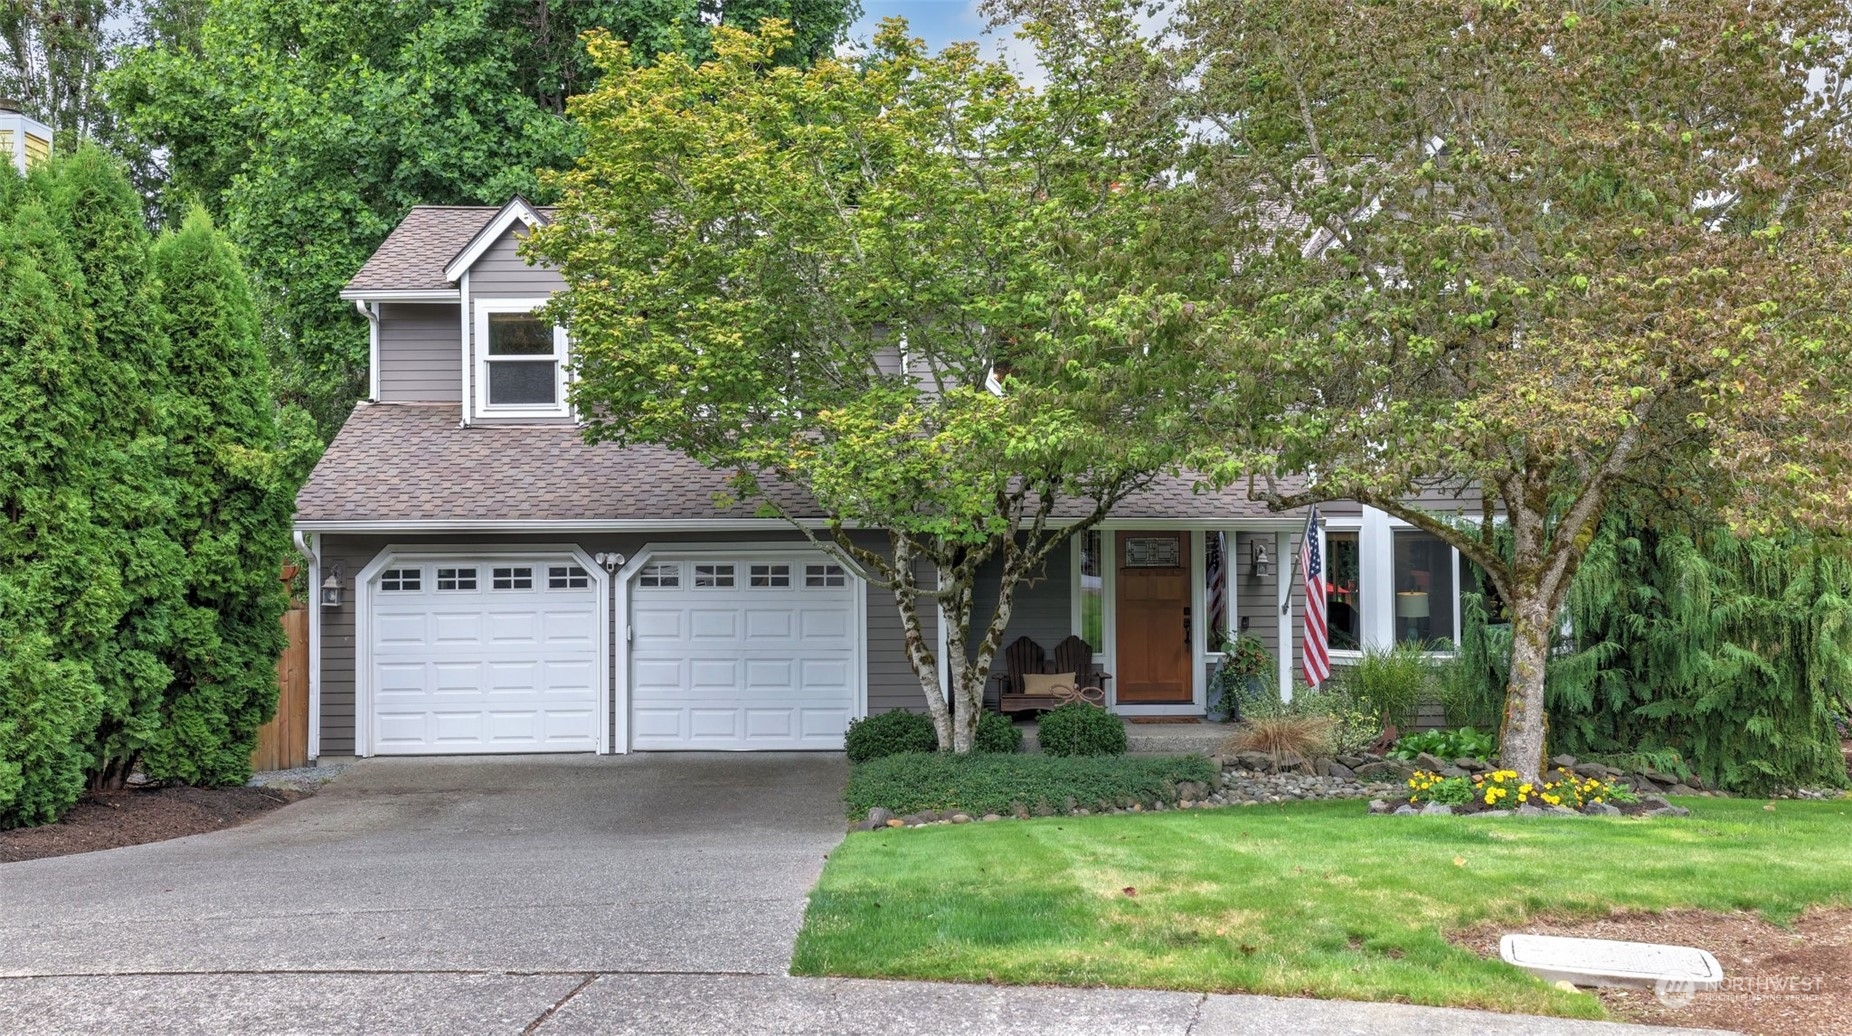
[{"x": 1604, "y": 962}]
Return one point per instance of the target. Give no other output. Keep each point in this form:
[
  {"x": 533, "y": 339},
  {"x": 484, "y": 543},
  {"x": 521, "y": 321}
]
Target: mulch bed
[
  {"x": 1777, "y": 981},
  {"x": 114, "y": 819}
]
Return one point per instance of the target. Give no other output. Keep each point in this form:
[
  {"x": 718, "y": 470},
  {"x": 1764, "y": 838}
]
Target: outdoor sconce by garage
[
  {"x": 331, "y": 589},
  {"x": 1262, "y": 562}
]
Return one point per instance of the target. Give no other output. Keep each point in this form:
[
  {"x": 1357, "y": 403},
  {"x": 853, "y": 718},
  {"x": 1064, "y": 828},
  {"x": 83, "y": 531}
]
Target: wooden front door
[{"x": 1153, "y": 618}]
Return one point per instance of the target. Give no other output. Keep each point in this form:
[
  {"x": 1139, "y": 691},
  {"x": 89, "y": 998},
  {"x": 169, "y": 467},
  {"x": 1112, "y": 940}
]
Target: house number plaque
[{"x": 1151, "y": 552}]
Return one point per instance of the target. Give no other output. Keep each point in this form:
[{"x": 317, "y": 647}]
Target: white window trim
[{"x": 483, "y": 408}]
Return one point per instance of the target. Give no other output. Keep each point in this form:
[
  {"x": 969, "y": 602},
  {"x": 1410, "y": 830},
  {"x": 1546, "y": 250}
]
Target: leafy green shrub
[
  {"x": 1081, "y": 729},
  {"x": 1390, "y": 684},
  {"x": 889, "y": 733},
  {"x": 996, "y": 733},
  {"x": 1432, "y": 787},
  {"x": 988, "y": 783},
  {"x": 1464, "y": 743}
]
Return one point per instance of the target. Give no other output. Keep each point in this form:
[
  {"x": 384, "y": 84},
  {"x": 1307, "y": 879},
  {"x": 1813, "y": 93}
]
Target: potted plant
[{"x": 1245, "y": 661}]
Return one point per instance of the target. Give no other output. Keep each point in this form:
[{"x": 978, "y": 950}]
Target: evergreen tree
[
  {"x": 99, "y": 216},
  {"x": 1701, "y": 649},
  {"x": 61, "y": 591},
  {"x": 233, "y": 491}
]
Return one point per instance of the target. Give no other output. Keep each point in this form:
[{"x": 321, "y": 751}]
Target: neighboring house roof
[
  {"x": 414, "y": 255},
  {"x": 413, "y": 463}
]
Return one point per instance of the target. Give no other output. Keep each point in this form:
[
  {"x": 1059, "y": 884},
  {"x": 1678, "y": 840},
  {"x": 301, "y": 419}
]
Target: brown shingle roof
[
  {"x": 413, "y": 256},
  {"x": 408, "y": 462}
]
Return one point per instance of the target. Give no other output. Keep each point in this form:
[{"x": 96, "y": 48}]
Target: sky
[{"x": 941, "y": 22}]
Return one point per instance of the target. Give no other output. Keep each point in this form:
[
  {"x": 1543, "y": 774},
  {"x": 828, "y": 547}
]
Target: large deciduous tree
[
  {"x": 1551, "y": 251},
  {"x": 308, "y": 130},
  {"x": 806, "y": 277}
]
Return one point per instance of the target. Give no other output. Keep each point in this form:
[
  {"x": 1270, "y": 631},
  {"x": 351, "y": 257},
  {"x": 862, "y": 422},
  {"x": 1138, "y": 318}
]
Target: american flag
[
  {"x": 1217, "y": 577},
  {"x": 1317, "y": 648}
]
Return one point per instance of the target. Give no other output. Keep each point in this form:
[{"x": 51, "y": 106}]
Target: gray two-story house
[{"x": 488, "y": 582}]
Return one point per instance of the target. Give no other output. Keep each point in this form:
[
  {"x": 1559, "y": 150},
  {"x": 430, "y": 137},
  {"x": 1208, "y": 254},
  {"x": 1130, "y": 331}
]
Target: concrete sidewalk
[{"x": 737, "y": 1005}]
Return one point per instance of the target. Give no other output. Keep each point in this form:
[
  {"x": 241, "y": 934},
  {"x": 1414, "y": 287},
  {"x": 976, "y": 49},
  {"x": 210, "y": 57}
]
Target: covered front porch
[{"x": 1157, "y": 600}]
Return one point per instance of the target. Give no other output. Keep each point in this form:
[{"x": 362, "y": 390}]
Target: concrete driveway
[{"x": 643, "y": 894}]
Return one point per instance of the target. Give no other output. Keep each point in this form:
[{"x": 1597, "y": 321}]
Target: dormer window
[{"x": 520, "y": 360}]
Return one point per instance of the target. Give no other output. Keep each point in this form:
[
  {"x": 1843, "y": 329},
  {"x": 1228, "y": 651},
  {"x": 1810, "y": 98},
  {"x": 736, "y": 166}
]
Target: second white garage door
[{"x": 741, "y": 653}]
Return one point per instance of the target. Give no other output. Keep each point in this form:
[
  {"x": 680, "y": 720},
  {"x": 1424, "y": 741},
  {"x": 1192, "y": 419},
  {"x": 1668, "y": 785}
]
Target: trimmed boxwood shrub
[
  {"x": 995, "y": 733},
  {"x": 1081, "y": 729},
  {"x": 990, "y": 783},
  {"x": 889, "y": 733}
]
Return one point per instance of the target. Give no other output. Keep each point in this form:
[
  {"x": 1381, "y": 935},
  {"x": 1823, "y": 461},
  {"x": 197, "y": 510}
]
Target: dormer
[
  {"x": 453, "y": 313},
  {"x": 23, "y": 139}
]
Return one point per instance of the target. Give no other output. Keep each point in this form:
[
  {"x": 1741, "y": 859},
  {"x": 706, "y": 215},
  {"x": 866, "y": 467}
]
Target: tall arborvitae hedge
[
  {"x": 145, "y": 497},
  {"x": 132, "y": 494},
  {"x": 1734, "y": 654},
  {"x": 61, "y": 590},
  {"x": 233, "y": 502}
]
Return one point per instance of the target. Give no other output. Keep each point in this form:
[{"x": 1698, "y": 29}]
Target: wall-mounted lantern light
[
  {"x": 331, "y": 589},
  {"x": 1262, "y": 562}
]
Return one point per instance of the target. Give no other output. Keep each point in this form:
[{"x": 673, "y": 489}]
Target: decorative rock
[
  {"x": 1655, "y": 802},
  {"x": 1563, "y": 811},
  {"x": 911, "y": 820},
  {"x": 927, "y": 816},
  {"x": 1428, "y": 762},
  {"x": 1528, "y": 810},
  {"x": 1564, "y": 761},
  {"x": 991, "y": 816},
  {"x": 961, "y": 818},
  {"x": 1380, "y": 770},
  {"x": 1451, "y": 771},
  {"x": 1470, "y": 764},
  {"x": 1254, "y": 760},
  {"x": 896, "y": 822},
  {"x": 1591, "y": 770},
  {"x": 1680, "y": 789},
  {"x": 1669, "y": 811},
  {"x": 1601, "y": 809},
  {"x": 1437, "y": 809},
  {"x": 879, "y": 817},
  {"x": 1339, "y": 771},
  {"x": 1659, "y": 778},
  {"x": 1406, "y": 811},
  {"x": 1352, "y": 761},
  {"x": 1379, "y": 807}
]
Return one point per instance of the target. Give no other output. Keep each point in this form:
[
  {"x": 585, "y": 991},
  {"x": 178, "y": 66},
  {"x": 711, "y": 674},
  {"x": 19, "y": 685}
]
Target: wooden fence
[{"x": 283, "y": 742}]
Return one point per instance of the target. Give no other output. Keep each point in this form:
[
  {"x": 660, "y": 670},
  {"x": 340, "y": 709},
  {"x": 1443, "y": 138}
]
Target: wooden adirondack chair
[
  {"x": 1075, "y": 655},
  {"x": 1023, "y": 658}
]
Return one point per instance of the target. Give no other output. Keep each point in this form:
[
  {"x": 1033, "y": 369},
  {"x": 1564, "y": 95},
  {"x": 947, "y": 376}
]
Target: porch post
[{"x": 1288, "y": 571}]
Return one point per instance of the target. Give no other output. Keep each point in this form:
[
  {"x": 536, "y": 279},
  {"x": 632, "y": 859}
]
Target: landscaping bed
[
  {"x": 111, "y": 820},
  {"x": 984, "y": 785}
]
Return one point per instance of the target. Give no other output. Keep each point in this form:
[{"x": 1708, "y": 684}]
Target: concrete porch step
[{"x": 1155, "y": 738}]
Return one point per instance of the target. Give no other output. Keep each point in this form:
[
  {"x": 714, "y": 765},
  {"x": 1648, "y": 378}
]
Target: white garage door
[
  {"x": 485, "y": 655},
  {"x": 742, "y": 653}
]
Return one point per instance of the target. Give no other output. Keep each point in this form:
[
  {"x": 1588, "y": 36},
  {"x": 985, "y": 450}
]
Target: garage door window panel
[
  {"x": 401, "y": 580},
  {"x": 456, "y": 579},
  {"x": 769, "y": 576},
  {"x": 567, "y": 577},
  {"x": 521, "y": 578},
  {"x": 824, "y": 576},
  {"x": 660, "y": 576},
  {"x": 713, "y": 577}
]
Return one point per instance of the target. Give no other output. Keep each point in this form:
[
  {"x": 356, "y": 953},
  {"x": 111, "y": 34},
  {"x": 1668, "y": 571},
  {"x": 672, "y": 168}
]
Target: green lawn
[{"x": 1314, "y": 899}]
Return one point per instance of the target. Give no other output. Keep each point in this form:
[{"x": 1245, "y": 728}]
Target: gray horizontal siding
[
  {"x": 502, "y": 273},
  {"x": 420, "y": 353}
]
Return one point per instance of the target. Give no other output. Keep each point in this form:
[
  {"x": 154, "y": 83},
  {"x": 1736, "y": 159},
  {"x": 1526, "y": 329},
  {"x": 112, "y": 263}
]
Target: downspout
[
  {"x": 371, "y": 312},
  {"x": 313, "y": 554}
]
